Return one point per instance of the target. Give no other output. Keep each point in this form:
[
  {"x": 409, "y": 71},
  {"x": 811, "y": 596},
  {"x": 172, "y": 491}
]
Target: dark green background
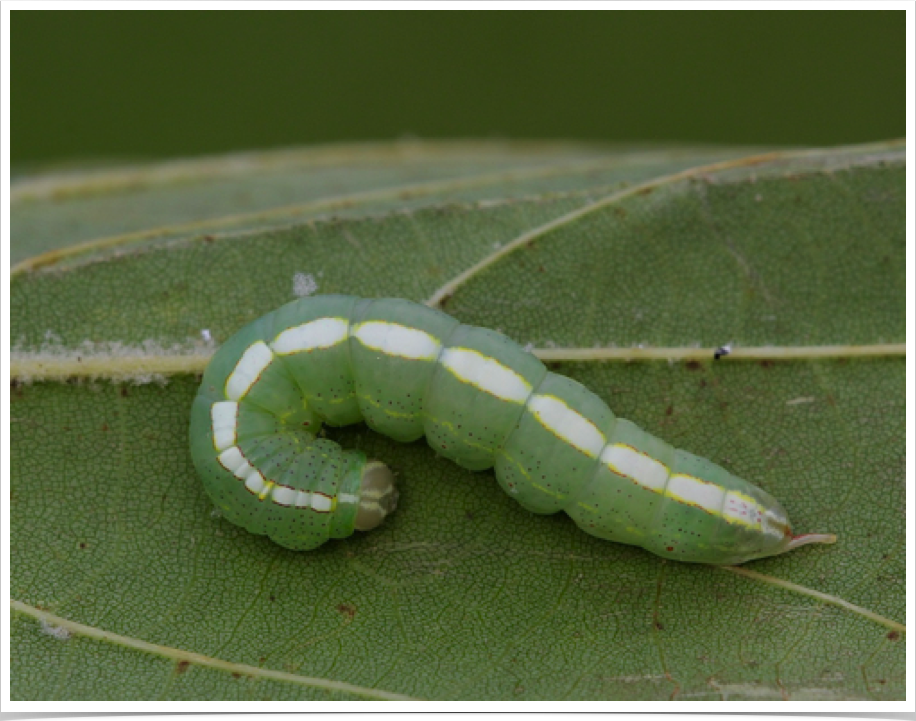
[{"x": 133, "y": 84}]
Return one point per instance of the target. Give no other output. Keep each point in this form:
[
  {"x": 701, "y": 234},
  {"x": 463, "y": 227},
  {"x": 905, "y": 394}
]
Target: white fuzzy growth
[
  {"x": 254, "y": 360},
  {"x": 563, "y": 421},
  {"x": 486, "y": 373},
  {"x": 304, "y": 284},
  {"x": 148, "y": 362},
  {"x": 320, "y": 333},
  {"x": 397, "y": 340},
  {"x": 58, "y": 632}
]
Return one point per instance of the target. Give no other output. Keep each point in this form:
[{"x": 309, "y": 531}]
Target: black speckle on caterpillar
[{"x": 481, "y": 401}]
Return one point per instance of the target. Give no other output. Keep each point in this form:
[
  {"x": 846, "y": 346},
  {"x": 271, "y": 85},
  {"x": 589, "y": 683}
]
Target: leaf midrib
[{"x": 180, "y": 655}]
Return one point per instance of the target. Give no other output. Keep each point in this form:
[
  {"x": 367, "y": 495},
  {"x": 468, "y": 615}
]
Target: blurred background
[{"x": 130, "y": 85}]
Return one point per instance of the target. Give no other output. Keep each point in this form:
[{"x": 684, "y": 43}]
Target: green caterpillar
[{"x": 481, "y": 401}]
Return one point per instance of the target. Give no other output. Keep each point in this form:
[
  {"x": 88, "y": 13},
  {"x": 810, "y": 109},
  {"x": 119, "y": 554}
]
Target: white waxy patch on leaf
[
  {"x": 304, "y": 284},
  {"x": 58, "y": 632}
]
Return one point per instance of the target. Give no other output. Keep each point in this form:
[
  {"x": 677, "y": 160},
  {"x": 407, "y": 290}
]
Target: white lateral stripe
[
  {"x": 233, "y": 461},
  {"x": 569, "y": 425},
  {"x": 397, "y": 340},
  {"x": 255, "y": 482},
  {"x": 321, "y": 333},
  {"x": 688, "y": 489},
  {"x": 629, "y": 462},
  {"x": 486, "y": 373},
  {"x": 254, "y": 360},
  {"x": 284, "y": 495},
  {"x": 348, "y": 498},
  {"x": 224, "y": 416}
]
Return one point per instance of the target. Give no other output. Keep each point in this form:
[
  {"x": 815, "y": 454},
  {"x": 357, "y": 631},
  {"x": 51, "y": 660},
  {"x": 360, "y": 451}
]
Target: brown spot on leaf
[
  {"x": 183, "y": 666},
  {"x": 893, "y": 636},
  {"x": 766, "y": 363},
  {"x": 124, "y": 392},
  {"x": 345, "y": 609},
  {"x": 693, "y": 365}
]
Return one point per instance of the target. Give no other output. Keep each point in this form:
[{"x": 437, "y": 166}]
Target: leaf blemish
[
  {"x": 58, "y": 632},
  {"x": 347, "y": 610}
]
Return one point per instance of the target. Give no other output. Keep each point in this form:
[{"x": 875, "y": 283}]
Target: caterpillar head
[{"x": 377, "y": 496}]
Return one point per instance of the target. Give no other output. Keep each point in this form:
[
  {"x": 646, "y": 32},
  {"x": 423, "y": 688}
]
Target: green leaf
[{"x": 126, "y": 585}]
